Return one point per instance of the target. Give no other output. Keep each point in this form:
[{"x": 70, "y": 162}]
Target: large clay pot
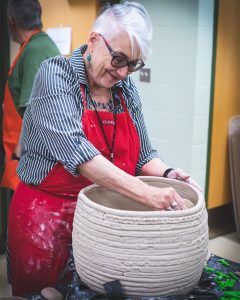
[{"x": 152, "y": 253}]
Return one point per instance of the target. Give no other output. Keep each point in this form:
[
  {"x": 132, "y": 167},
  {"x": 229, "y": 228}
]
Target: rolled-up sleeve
[
  {"x": 147, "y": 152},
  {"x": 56, "y": 108}
]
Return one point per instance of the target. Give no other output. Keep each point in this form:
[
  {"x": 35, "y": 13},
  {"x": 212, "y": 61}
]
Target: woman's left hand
[{"x": 179, "y": 174}]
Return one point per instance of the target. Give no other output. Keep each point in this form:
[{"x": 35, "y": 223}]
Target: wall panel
[{"x": 226, "y": 102}]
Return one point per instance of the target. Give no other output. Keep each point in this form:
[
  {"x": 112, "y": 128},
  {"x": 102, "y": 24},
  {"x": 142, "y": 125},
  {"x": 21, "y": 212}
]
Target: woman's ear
[{"x": 92, "y": 40}]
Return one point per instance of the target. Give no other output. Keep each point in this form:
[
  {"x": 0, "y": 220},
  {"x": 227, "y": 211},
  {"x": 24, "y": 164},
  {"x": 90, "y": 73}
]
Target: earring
[{"x": 89, "y": 57}]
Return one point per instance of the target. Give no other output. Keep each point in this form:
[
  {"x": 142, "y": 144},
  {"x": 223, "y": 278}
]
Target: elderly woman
[{"x": 84, "y": 124}]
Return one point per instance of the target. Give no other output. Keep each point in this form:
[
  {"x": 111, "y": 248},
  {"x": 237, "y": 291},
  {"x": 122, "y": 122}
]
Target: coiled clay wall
[{"x": 152, "y": 253}]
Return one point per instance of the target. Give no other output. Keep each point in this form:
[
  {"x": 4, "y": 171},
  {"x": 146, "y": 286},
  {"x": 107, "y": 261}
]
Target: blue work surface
[{"x": 220, "y": 280}]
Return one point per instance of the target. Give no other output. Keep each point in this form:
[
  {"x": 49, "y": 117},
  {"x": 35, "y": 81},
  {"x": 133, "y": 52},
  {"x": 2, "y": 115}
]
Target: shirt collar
[{"x": 78, "y": 64}]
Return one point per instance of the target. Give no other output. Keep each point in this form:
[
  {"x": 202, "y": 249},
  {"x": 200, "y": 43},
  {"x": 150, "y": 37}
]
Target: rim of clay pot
[{"x": 149, "y": 214}]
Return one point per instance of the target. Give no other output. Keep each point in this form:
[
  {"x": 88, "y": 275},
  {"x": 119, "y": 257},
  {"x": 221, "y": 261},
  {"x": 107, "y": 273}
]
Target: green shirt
[{"x": 39, "y": 48}]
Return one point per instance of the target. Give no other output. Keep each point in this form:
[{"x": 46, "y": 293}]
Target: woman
[{"x": 84, "y": 124}]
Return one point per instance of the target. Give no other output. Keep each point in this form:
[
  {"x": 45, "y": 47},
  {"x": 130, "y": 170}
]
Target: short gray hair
[
  {"x": 26, "y": 13},
  {"x": 127, "y": 16}
]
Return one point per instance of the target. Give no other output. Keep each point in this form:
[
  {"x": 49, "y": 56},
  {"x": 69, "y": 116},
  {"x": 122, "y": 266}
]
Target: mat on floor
[{"x": 220, "y": 280}]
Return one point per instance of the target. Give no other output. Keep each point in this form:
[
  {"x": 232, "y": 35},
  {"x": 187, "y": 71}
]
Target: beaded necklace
[
  {"x": 110, "y": 147},
  {"x": 105, "y": 106}
]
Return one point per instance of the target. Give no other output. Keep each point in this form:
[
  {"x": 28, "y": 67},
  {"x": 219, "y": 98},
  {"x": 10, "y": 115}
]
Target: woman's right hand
[{"x": 164, "y": 199}]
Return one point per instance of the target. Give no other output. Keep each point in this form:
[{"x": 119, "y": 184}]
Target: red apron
[
  {"x": 12, "y": 124},
  {"x": 40, "y": 217}
]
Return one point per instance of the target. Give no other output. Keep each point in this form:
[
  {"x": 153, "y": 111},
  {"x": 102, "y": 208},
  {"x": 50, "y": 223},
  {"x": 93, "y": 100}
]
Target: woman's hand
[
  {"x": 164, "y": 199},
  {"x": 156, "y": 167},
  {"x": 104, "y": 173},
  {"x": 179, "y": 174}
]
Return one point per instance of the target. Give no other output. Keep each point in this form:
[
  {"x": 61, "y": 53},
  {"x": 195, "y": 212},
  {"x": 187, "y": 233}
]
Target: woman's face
[{"x": 101, "y": 71}]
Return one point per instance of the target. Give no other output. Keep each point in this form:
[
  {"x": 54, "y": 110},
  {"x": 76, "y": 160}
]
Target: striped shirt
[{"x": 52, "y": 130}]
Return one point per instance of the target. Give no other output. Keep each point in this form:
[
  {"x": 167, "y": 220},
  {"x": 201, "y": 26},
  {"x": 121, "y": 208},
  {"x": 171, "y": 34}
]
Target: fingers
[
  {"x": 175, "y": 201},
  {"x": 165, "y": 199},
  {"x": 171, "y": 200},
  {"x": 180, "y": 201},
  {"x": 173, "y": 206},
  {"x": 179, "y": 174},
  {"x": 183, "y": 177}
]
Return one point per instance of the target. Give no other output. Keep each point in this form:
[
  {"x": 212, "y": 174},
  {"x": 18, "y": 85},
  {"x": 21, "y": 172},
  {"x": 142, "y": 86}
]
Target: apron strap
[
  {"x": 122, "y": 100},
  {"x": 20, "y": 51}
]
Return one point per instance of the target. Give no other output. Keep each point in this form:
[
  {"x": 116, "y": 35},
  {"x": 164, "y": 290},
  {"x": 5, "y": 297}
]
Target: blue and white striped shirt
[{"x": 52, "y": 130}]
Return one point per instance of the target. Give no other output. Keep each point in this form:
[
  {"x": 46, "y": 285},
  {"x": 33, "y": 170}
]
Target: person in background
[
  {"x": 24, "y": 22},
  {"x": 83, "y": 125}
]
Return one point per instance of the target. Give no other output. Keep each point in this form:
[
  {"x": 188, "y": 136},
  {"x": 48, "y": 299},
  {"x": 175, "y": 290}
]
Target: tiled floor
[
  {"x": 5, "y": 288},
  {"x": 226, "y": 246}
]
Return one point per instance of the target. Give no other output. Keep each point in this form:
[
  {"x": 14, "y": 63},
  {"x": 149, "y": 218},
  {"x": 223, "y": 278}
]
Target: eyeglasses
[{"x": 120, "y": 61}]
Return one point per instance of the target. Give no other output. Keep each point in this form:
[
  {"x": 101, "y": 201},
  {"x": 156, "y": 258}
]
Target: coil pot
[{"x": 152, "y": 253}]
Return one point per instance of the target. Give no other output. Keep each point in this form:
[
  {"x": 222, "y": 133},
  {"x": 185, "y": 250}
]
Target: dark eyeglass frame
[{"x": 131, "y": 64}]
